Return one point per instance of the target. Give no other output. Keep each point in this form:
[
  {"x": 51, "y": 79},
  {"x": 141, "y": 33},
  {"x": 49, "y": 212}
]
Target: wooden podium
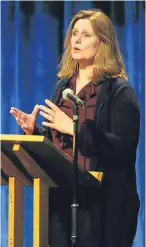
[{"x": 35, "y": 161}]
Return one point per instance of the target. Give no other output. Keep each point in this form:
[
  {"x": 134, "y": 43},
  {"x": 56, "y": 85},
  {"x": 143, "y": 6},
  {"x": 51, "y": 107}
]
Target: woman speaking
[{"x": 92, "y": 67}]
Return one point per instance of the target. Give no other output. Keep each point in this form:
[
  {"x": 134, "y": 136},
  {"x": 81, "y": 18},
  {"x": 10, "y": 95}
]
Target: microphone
[{"x": 69, "y": 94}]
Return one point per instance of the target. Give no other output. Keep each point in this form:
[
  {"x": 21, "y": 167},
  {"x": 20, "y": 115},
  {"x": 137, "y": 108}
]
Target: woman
[{"x": 92, "y": 66}]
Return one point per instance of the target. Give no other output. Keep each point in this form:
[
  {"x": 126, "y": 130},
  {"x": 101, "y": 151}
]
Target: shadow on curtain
[{"x": 32, "y": 42}]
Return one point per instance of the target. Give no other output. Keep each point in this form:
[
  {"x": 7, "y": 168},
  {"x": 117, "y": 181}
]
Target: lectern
[{"x": 35, "y": 161}]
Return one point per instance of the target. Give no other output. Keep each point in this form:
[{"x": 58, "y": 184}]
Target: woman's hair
[{"x": 108, "y": 61}]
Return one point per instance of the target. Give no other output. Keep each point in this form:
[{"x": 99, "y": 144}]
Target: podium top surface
[
  {"x": 55, "y": 163},
  {"x": 22, "y": 138}
]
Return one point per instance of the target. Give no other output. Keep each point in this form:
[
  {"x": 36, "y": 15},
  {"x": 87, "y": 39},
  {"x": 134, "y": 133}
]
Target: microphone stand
[{"x": 75, "y": 205}]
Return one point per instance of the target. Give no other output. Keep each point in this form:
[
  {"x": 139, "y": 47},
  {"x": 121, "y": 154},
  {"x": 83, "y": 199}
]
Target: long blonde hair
[{"x": 108, "y": 61}]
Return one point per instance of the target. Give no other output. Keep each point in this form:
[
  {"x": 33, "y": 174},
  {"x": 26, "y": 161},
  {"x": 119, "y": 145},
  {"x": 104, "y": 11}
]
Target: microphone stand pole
[{"x": 75, "y": 205}]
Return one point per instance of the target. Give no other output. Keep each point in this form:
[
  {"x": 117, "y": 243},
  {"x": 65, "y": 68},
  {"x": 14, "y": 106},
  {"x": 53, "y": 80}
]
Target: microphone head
[{"x": 65, "y": 93}]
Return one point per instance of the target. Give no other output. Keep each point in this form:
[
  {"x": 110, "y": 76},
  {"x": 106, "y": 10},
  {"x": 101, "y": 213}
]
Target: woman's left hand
[{"x": 58, "y": 120}]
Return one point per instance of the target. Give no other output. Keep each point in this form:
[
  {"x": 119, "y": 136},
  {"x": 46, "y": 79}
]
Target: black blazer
[
  {"x": 111, "y": 141},
  {"x": 112, "y": 137}
]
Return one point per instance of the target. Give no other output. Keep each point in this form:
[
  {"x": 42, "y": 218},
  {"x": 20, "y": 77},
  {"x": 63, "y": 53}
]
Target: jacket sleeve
[
  {"x": 43, "y": 131},
  {"x": 39, "y": 130},
  {"x": 117, "y": 147}
]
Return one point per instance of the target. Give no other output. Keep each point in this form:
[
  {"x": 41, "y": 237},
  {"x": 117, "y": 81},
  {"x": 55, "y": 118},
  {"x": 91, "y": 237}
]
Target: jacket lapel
[
  {"x": 59, "y": 87},
  {"x": 101, "y": 117}
]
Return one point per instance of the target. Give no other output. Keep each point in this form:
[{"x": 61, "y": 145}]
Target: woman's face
[{"x": 84, "y": 42}]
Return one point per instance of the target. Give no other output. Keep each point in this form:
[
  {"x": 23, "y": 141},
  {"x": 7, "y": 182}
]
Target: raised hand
[
  {"x": 58, "y": 120},
  {"x": 26, "y": 121}
]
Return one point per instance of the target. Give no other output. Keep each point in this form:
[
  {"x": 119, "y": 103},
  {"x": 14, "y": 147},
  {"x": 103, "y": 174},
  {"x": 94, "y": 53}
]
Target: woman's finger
[
  {"x": 50, "y": 125},
  {"x": 47, "y": 116},
  {"x": 35, "y": 110},
  {"x": 51, "y": 105},
  {"x": 14, "y": 113},
  {"x": 21, "y": 123},
  {"x": 15, "y": 110},
  {"x": 46, "y": 109},
  {"x": 24, "y": 126}
]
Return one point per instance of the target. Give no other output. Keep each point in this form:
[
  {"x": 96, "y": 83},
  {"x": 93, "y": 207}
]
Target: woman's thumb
[{"x": 35, "y": 110}]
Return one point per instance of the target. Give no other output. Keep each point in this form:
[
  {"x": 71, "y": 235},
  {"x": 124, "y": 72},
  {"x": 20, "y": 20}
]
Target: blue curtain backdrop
[{"x": 31, "y": 45}]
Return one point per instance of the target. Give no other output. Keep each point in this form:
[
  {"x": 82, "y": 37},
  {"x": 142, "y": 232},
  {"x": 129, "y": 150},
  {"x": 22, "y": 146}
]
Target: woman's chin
[{"x": 77, "y": 58}]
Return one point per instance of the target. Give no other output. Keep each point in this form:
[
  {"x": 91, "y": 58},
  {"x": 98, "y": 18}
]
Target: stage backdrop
[{"x": 31, "y": 45}]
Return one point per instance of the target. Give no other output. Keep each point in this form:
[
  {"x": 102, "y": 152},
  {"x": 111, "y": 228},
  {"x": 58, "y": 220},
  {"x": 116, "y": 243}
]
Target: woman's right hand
[{"x": 26, "y": 121}]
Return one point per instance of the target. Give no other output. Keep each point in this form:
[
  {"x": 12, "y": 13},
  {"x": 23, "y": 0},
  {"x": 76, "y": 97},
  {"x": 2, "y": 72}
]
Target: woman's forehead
[{"x": 83, "y": 25}]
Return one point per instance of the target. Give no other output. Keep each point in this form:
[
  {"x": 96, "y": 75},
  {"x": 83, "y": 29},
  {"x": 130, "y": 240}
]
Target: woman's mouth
[{"x": 75, "y": 49}]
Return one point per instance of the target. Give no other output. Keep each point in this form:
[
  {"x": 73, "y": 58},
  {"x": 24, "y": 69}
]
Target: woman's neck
[{"x": 85, "y": 73}]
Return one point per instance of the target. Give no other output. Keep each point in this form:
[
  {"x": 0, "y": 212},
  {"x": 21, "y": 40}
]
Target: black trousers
[{"x": 100, "y": 225}]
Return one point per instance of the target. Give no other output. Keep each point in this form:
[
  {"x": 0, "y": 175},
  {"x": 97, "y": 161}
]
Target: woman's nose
[{"x": 78, "y": 39}]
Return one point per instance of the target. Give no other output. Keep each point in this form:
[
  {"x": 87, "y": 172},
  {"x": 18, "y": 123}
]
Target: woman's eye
[
  {"x": 74, "y": 33},
  {"x": 86, "y": 34}
]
